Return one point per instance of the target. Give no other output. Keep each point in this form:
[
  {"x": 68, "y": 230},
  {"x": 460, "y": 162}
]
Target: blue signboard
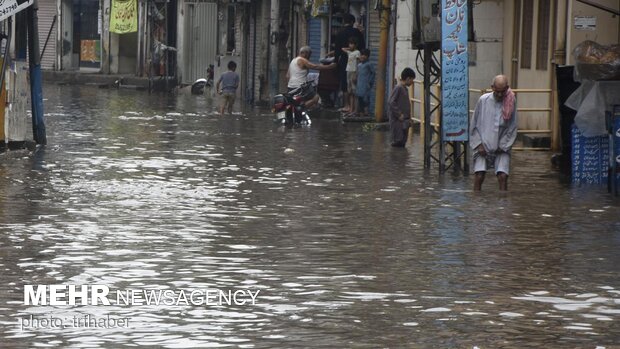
[{"x": 454, "y": 71}]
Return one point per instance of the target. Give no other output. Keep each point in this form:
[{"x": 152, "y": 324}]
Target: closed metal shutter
[
  {"x": 314, "y": 36},
  {"x": 48, "y": 28},
  {"x": 201, "y": 38},
  {"x": 374, "y": 37}
]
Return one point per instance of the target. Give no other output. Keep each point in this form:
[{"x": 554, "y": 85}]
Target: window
[
  {"x": 542, "y": 37},
  {"x": 526, "y": 33}
]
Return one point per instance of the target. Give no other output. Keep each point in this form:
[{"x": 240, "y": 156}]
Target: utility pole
[
  {"x": 36, "y": 91},
  {"x": 384, "y": 10},
  {"x": 274, "y": 43}
]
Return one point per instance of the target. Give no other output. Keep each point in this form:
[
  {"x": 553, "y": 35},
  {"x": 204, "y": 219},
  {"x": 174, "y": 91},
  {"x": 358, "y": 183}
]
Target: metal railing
[{"x": 437, "y": 89}]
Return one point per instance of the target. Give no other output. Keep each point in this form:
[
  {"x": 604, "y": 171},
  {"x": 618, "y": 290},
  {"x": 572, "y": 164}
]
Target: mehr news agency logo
[{"x": 95, "y": 295}]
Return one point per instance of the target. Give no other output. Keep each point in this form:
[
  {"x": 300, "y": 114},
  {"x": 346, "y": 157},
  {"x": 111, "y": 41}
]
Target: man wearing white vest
[{"x": 297, "y": 73}]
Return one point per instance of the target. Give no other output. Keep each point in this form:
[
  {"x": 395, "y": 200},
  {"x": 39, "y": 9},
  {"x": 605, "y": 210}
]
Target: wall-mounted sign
[
  {"x": 454, "y": 71},
  {"x": 585, "y": 23},
  {"x": 11, "y": 7}
]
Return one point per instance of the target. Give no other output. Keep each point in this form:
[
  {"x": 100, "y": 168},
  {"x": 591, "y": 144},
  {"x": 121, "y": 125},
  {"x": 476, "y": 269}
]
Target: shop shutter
[
  {"x": 48, "y": 28},
  {"x": 251, "y": 56},
  {"x": 314, "y": 36},
  {"x": 374, "y": 31},
  {"x": 200, "y": 38}
]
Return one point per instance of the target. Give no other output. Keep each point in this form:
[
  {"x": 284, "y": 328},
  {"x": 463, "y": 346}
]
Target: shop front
[{"x": 81, "y": 34}]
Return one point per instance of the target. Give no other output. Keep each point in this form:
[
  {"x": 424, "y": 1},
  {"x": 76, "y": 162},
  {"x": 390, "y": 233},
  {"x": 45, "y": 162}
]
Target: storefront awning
[{"x": 11, "y": 7}]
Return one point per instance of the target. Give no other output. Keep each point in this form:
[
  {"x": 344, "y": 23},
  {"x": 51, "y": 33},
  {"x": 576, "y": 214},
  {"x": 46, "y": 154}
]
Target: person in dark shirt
[
  {"x": 342, "y": 40},
  {"x": 400, "y": 109}
]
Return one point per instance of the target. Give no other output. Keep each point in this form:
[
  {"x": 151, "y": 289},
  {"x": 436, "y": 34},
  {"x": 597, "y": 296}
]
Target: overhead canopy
[{"x": 11, "y": 7}]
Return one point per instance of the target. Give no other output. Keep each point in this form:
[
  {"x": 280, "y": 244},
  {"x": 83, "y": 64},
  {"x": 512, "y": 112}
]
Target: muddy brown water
[{"x": 351, "y": 243}]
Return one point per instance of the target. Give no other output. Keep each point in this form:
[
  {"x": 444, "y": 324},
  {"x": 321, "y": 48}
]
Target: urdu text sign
[{"x": 454, "y": 71}]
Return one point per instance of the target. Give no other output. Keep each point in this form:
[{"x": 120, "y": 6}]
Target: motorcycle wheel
[{"x": 290, "y": 119}]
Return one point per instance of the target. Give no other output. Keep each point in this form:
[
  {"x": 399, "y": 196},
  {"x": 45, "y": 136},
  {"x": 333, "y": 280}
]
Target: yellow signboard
[{"x": 124, "y": 16}]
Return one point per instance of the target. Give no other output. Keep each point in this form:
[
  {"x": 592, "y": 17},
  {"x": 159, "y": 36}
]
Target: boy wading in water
[
  {"x": 229, "y": 82},
  {"x": 400, "y": 109}
]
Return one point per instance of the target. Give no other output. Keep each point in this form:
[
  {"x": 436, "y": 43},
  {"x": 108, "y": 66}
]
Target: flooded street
[{"x": 351, "y": 243}]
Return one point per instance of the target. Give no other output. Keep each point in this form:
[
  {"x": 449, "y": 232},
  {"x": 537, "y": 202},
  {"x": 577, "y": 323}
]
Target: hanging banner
[
  {"x": 124, "y": 16},
  {"x": 454, "y": 71},
  {"x": 11, "y": 7}
]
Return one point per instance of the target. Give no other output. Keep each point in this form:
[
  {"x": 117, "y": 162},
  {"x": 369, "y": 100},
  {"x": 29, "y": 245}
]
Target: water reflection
[{"x": 351, "y": 243}]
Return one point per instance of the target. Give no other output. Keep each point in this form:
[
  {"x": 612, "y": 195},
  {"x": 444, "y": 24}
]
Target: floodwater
[{"x": 351, "y": 244}]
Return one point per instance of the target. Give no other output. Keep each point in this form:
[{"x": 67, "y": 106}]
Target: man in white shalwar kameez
[{"x": 493, "y": 131}]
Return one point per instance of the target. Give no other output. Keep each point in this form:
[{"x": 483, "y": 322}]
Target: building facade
[
  {"x": 178, "y": 40},
  {"x": 525, "y": 40}
]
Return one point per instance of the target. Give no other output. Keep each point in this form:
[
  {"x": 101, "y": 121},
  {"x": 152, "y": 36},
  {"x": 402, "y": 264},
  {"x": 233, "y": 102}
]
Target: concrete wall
[
  {"x": 180, "y": 39},
  {"x": 123, "y": 53},
  {"x": 66, "y": 30},
  {"x": 508, "y": 39},
  {"x": 404, "y": 55},
  {"x": 105, "y": 38},
  {"x": 486, "y": 52},
  {"x": 262, "y": 88}
]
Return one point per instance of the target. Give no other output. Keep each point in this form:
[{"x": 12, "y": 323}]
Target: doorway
[{"x": 81, "y": 34}]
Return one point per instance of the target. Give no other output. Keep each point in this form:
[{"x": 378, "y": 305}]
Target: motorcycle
[
  {"x": 199, "y": 85},
  {"x": 289, "y": 107}
]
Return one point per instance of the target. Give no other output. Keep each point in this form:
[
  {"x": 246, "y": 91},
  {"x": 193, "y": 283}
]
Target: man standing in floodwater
[{"x": 493, "y": 131}]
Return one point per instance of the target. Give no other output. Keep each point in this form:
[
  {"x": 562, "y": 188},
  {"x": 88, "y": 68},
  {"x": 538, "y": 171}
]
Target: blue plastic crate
[{"x": 590, "y": 158}]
